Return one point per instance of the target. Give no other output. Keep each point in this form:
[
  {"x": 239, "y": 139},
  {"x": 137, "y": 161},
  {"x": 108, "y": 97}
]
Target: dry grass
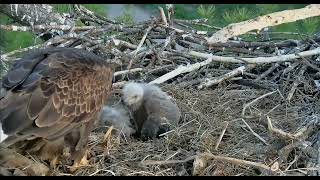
[{"x": 204, "y": 114}]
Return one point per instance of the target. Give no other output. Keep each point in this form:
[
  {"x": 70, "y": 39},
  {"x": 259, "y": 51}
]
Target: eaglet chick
[
  {"x": 118, "y": 117},
  {"x": 154, "y": 111}
]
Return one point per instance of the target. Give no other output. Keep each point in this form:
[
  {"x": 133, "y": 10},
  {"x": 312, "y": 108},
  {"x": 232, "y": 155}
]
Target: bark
[
  {"x": 261, "y": 22},
  {"x": 34, "y": 14}
]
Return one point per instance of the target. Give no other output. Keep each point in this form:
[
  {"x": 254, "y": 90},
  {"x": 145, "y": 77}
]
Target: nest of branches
[{"x": 249, "y": 107}]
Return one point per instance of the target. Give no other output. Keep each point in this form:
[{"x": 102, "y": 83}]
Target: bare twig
[
  {"x": 221, "y": 135},
  {"x": 127, "y": 71},
  {"x": 302, "y": 133},
  {"x": 267, "y": 72},
  {"x": 296, "y": 82},
  {"x": 235, "y": 161},
  {"x": 118, "y": 42},
  {"x": 254, "y": 101},
  {"x": 254, "y": 133},
  {"x": 139, "y": 46},
  {"x": 151, "y": 162}
]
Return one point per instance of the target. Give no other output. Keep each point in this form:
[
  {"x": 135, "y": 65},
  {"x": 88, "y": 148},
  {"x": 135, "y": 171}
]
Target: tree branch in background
[
  {"x": 261, "y": 22},
  {"x": 34, "y": 14}
]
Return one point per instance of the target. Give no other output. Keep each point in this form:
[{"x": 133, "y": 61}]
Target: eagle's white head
[{"x": 133, "y": 95}]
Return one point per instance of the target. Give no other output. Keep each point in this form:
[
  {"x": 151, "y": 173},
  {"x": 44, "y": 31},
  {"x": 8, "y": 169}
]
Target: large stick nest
[{"x": 267, "y": 113}]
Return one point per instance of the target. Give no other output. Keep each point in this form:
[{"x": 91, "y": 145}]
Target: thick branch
[
  {"x": 33, "y": 14},
  {"x": 261, "y": 22},
  {"x": 208, "y": 156},
  {"x": 258, "y": 60},
  {"x": 180, "y": 70},
  {"x": 216, "y": 80},
  {"x": 46, "y": 27}
]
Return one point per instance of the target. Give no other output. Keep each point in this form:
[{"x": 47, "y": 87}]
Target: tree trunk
[{"x": 33, "y": 14}]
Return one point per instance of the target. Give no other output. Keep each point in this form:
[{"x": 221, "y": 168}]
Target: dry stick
[
  {"x": 46, "y": 27},
  {"x": 199, "y": 22},
  {"x": 128, "y": 71},
  {"x": 286, "y": 150},
  {"x": 221, "y": 135},
  {"x": 255, "y": 100},
  {"x": 236, "y": 161},
  {"x": 279, "y": 132},
  {"x": 318, "y": 163},
  {"x": 258, "y": 60},
  {"x": 118, "y": 85},
  {"x": 261, "y": 22},
  {"x": 163, "y": 16},
  {"x": 306, "y": 62},
  {"x": 295, "y": 159},
  {"x": 203, "y": 20},
  {"x": 151, "y": 162},
  {"x": 210, "y": 58},
  {"x": 139, "y": 46},
  {"x": 216, "y": 80},
  {"x": 291, "y": 67},
  {"x": 302, "y": 132},
  {"x": 254, "y": 133},
  {"x": 118, "y": 42},
  {"x": 91, "y": 15},
  {"x": 296, "y": 82},
  {"x": 180, "y": 70},
  {"x": 243, "y": 44},
  {"x": 267, "y": 72},
  {"x": 4, "y": 56},
  {"x": 142, "y": 40}
]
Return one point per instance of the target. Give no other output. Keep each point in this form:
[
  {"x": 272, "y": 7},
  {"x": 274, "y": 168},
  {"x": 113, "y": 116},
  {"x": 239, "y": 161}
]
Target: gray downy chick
[
  {"x": 119, "y": 118},
  {"x": 154, "y": 111}
]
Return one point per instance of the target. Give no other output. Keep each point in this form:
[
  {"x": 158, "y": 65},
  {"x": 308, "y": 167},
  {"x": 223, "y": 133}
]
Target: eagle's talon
[
  {"x": 54, "y": 162},
  {"x": 78, "y": 164}
]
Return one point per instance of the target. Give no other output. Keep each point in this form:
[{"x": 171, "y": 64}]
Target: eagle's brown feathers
[{"x": 50, "y": 93}]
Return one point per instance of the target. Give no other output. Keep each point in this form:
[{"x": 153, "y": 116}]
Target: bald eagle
[
  {"x": 51, "y": 98},
  {"x": 154, "y": 111}
]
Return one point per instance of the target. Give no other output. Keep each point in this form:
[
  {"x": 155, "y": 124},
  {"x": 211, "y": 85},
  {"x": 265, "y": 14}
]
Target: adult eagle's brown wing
[{"x": 50, "y": 92}]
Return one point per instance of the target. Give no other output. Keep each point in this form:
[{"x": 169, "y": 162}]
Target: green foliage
[
  {"x": 267, "y": 8},
  {"x": 182, "y": 12},
  {"x": 20, "y": 40},
  {"x": 66, "y": 8},
  {"x": 14, "y": 40},
  {"x": 206, "y": 12},
  {"x": 126, "y": 18},
  {"x": 97, "y": 8},
  {"x": 237, "y": 15},
  {"x": 310, "y": 25},
  {"x": 62, "y": 8}
]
